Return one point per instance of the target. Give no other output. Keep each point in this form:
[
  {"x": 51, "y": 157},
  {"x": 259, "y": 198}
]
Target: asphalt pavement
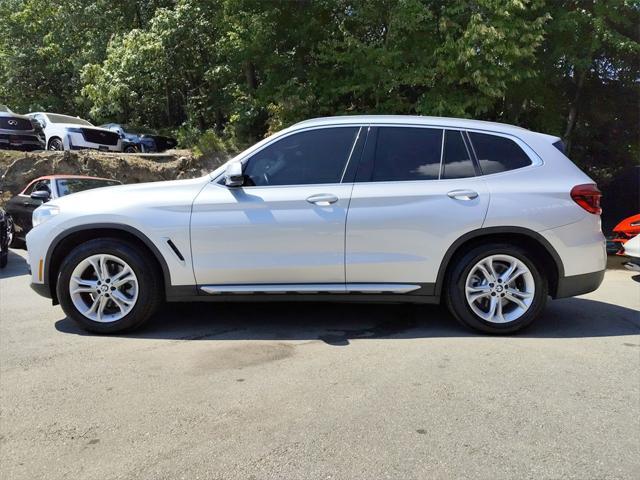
[{"x": 320, "y": 391}]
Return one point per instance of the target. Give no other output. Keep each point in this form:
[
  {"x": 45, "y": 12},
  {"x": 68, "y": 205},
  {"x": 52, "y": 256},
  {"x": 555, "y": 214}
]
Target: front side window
[
  {"x": 305, "y": 158},
  {"x": 498, "y": 154},
  {"x": 406, "y": 153},
  {"x": 456, "y": 159}
]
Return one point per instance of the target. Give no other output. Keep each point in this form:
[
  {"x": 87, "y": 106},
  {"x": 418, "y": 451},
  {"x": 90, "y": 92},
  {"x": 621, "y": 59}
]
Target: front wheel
[
  {"x": 496, "y": 288},
  {"x": 56, "y": 144},
  {"x": 109, "y": 286}
]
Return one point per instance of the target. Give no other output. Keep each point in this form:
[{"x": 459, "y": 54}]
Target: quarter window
[
  {"x": 311, "y": 157},
  {"x": 498, "y": 154},
  {"x": 457, "y": 161},
  {"x": 407, "y": 153}
]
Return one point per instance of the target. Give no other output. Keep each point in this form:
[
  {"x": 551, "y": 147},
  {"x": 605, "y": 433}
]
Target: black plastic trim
[
  {"x": 579, "y": 284},
  {"x": 481, "y": 232},
  {"x": 41, "y": 289},
  {"x": 110, "y": 226}
]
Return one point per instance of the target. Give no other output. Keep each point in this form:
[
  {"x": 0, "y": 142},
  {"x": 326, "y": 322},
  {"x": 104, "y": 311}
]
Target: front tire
[
  {"x": 109, "y": 286},
  {"x": 496, "y": 288},
  {"x": 131, "y": 149},
  {"x": 55, "y": 144}
]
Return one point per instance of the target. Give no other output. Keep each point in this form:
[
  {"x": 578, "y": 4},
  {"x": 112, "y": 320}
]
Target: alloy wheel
[
  {"x": 103, "y": 288},
  {"x": 500, "y": 288}
]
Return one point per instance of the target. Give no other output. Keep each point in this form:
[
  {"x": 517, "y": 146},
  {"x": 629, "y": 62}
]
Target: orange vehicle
[{"x": 626, "y": 230}]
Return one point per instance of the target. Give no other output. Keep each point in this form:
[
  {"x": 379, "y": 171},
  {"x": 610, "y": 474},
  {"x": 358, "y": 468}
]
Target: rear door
[{"x": 416, "y": 192}]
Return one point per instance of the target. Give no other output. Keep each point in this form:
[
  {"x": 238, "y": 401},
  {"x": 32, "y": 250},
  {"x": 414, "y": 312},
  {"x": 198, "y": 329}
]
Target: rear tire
[
  {"x": 109, "y": 286},
  {"x": 484, "y": 294}
]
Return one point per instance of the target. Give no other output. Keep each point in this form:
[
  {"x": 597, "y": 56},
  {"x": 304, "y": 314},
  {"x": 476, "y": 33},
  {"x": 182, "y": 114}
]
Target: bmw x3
[{"x": 488, "y": 218}]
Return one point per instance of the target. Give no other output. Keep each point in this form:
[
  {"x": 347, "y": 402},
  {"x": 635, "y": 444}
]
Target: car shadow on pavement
[
  {"x": 337, "y": 324},
  {"x": 16, "y": 266}
]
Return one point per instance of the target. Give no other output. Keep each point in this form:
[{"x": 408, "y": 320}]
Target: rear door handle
[
  {"x": 322, "y": 199},
  {"x": 465, "y": 195}
]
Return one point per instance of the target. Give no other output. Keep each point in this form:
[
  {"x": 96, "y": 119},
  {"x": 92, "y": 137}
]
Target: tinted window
[
  {"x": 497, "y": 154},
  {"x": 40, "y": 185},
  {"x": 406, "y": 153},
  {"x": 315, "y": 156},
  {"x": 73, "y": 185},
  {"x": 457, "y": 162}
]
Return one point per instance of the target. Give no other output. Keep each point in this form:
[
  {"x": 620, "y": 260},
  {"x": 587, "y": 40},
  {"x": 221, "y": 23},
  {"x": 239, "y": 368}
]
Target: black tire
[
  {"x": 14, "y": 242},
  {"x": 131, "y": 149},
  {"x": 4, "y": 257},
  {"x": 55, "y": 144},
  {"x": 456, "y": 299},
  {"x": 149, "y": 277}
]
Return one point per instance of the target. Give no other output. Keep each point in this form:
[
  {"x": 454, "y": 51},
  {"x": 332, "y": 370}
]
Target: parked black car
[
  {"x": 18, "y": 132},
  {"x": 140, "y": 139},
  {"x": 4, "y": 239},
  {"x": 20, "y": 208}
]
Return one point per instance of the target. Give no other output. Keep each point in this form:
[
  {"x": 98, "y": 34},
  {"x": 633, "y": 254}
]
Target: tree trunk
[
  {"x": 573, "y": 111},
  {"x": 250, "y": 75}
]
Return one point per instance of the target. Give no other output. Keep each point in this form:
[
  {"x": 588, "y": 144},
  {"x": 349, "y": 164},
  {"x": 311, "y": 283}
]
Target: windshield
[
  {"x": 67, "y": 186},
  {"x": 56, "y": 118},
  {"x": 4, "y": 108}
]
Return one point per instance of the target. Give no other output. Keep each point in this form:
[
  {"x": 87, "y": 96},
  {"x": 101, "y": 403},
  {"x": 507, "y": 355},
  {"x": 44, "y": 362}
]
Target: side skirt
[{"x": 359, "y": 293}]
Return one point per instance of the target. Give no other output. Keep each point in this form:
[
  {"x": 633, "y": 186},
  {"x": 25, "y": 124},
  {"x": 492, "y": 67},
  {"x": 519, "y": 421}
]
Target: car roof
[
  {"x": 61, "y": 176},
  {"x": 414, "y": 120}
]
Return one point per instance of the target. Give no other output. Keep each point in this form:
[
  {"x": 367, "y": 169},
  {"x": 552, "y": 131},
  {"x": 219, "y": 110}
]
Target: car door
[
  {"x": 21, "y": 206},
  {"x": 286, "y": 224},
  {"x": 416, "y": 192}
]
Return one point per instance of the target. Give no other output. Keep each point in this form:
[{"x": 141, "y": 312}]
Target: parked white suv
[
  {"x": 489, "y": 218},
  {"x": 64, "y": 132}
]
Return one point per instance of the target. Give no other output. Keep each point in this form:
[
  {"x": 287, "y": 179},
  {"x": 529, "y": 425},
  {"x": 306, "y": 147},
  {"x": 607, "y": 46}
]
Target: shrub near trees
[{"x": 240, "y": 69}]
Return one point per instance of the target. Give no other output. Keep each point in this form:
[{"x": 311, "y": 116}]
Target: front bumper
[
  {"x": 20, "y": 140},
  {"x": 41, "y": 289},
  {"x": 633, "y": 265},
  {"x": 579, "y": 284}
]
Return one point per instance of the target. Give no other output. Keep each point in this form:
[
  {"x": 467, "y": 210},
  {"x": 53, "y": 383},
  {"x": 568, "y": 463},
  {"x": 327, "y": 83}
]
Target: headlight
[{"x": 44, "y": 213}]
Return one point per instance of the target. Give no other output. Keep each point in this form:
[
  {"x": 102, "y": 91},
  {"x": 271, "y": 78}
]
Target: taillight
[{"x": 588, "y": 197}]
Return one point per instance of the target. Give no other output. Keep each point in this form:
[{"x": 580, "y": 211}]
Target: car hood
[
  {"x": 75, "y": 125},
  {"x": 124, "y": 196}
]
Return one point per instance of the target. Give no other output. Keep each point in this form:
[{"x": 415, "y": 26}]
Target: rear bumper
[{"x": 579, "y": 284}]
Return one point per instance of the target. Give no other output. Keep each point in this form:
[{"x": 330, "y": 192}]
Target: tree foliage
[{"x": 240, "y": 69}]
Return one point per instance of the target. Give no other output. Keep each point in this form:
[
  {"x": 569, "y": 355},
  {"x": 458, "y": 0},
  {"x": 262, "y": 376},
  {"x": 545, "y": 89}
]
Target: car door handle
[
  {"x": 465, "y": 195},
  {"x": 322, "y": 199}
]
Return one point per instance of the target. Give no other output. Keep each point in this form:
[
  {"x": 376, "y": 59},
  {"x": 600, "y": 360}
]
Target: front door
[{"x": 286, "y": 224}]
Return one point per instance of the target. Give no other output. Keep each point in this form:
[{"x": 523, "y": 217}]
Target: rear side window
[
  {"x": 498, "y": 154},
  {"x": 305, "y": 158},
  {"x": 456, "y": 160},
  {"x": 406, "y": 153}
]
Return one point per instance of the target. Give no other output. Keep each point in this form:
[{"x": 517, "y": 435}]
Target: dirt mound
[{"x": 19, "y": 168}]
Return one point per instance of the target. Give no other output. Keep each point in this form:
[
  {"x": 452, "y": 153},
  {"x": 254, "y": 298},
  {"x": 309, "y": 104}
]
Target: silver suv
[{"x": 489, "y": 218}]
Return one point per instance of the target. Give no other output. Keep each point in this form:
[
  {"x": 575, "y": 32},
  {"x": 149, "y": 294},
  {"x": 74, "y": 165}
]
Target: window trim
[{"x": 362, "y": 129}]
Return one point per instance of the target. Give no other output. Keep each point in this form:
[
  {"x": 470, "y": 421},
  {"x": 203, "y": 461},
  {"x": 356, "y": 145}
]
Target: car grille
[
  {"x": 99, "y": 136},
  {"x": 23, "y": 138},
  {"x": 9, "y": 123}
]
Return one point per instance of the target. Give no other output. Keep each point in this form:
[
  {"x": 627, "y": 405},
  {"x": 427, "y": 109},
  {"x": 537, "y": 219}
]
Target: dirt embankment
[{"x": 19, "y": 168}]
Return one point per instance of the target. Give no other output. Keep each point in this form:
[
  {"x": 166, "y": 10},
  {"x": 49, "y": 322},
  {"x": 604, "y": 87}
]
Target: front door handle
[
  {"x": 465, "y": 195},
  {"x": 322, "y": 199}
]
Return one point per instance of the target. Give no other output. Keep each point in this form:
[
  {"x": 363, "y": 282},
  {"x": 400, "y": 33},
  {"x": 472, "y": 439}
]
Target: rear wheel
[
  {"x": 109, "y": 286},
  {"x": 496, "y": 288}
]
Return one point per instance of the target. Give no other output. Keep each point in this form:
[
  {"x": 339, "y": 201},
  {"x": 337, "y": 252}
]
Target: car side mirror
[
  {"x": 233, "y": 176},
  {"x": 41, "y": 195}
]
